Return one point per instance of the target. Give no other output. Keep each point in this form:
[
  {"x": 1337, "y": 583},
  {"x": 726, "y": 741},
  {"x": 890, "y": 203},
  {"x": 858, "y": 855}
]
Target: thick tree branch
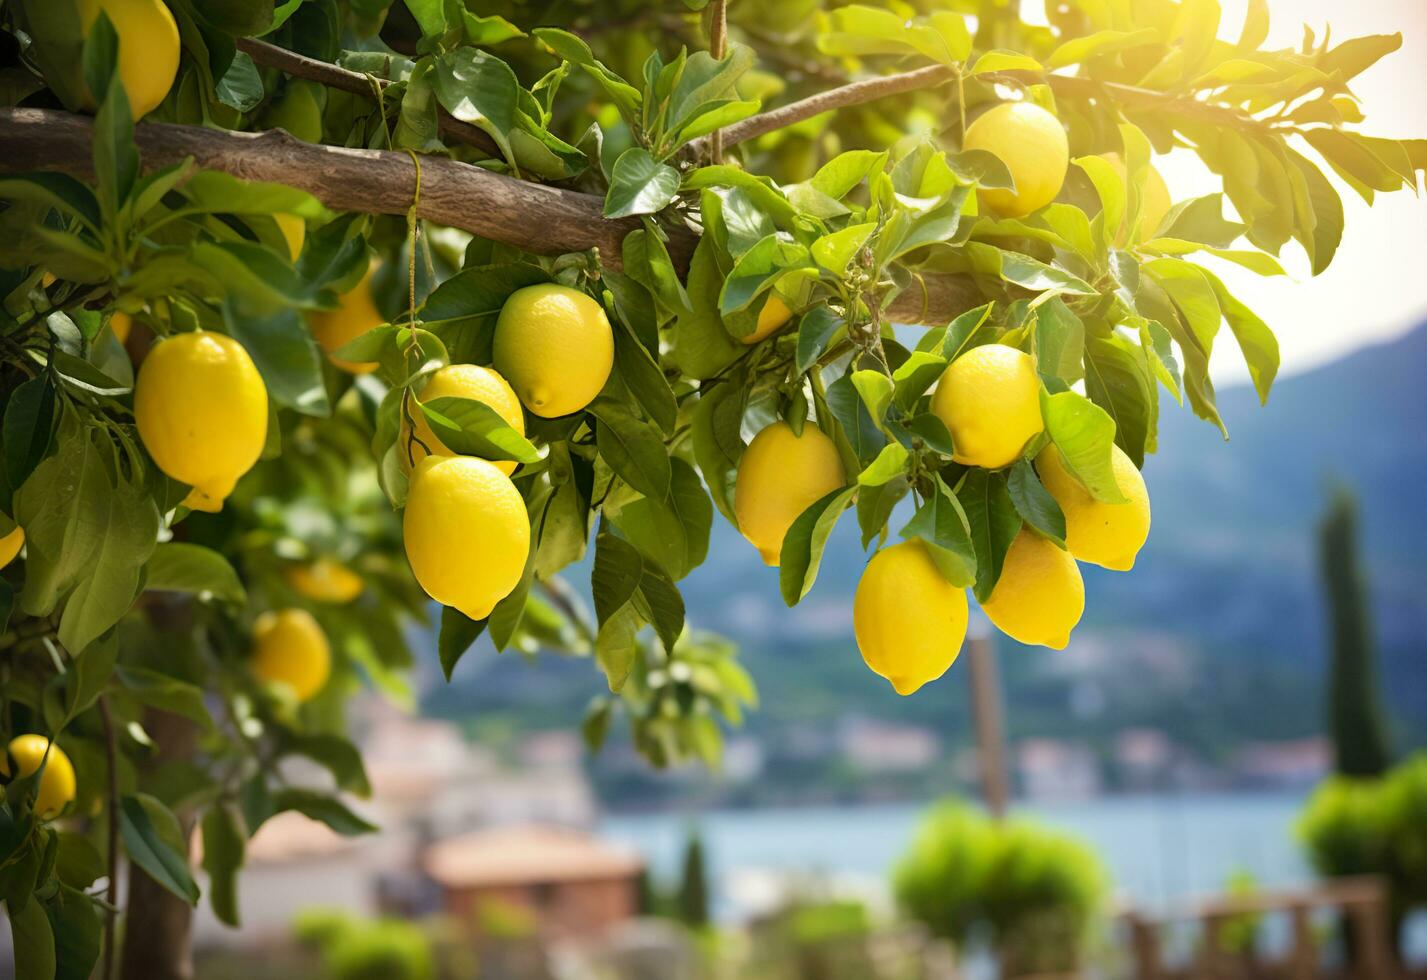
[
  {"x": 534, "y": 217},
  {"x": 335, "y": 76}
]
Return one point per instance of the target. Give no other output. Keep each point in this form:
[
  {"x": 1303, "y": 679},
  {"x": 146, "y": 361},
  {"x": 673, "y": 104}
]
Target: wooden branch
[
  {"x": 534, "y": 217},
  {"x": 335, "y": 76}
]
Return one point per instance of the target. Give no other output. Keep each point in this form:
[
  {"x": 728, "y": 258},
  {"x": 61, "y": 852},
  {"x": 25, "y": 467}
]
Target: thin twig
[
  {"x": 335, "y": 76},
  {"x": 718, "y": 44},
  {"x": 111, "y": 894}
]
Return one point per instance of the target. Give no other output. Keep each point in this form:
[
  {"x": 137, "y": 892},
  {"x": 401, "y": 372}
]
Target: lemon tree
[{"x": 322, "y": 319}]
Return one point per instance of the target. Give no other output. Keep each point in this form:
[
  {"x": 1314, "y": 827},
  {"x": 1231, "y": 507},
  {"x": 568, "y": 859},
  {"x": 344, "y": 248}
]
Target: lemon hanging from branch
[
  {"x": 555, "y": 347},
  {"x": 290, "y": 648},
  {"x": 1032, "y": 144},
  {"x": 1040, "y": 596},
  {"x": 989, "y": 399},
  {"x": 1105, "y": 534},
  {"x": 57, "y": 785},
  {"x": 908, "y": 619},
  {"x": 471, "y": 381},
  {"x": 779, "y": 476}
]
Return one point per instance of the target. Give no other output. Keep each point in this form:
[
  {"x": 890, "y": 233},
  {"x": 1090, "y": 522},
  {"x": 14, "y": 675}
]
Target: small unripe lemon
[
  {"x": 290, "y": 648},
  {"x": 57, "y": 785},
  {"x": 10, "y": 546},
  {"x": 294, "y": 232},
  {"x": 324, "y": 580},
  {"x": 148, "y": 48},
  {"x": 1105, "y": 534},
  {"x": 298, "y": 110},
  {"x": 1032, "y": 144},
  {"x": 908, "y": 619},
  {"x": 1155, "y": 201},
  {"x": 773, "y": 315},
  {"x": 779, "y": 477},
  {"x": 555, "y": 347},
  {"x": 466, "y": 531},
  {"x": 989, "y": 399},
  {"x": 356, "y": 313},
  {"x": 202, "y": 413},
  {"x": 1039, "y": 597},
  {"x": 464, "y": 381}
]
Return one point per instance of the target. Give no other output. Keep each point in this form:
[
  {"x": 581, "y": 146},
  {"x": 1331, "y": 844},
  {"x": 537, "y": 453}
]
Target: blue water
[{"x": 1156, "y": 848}]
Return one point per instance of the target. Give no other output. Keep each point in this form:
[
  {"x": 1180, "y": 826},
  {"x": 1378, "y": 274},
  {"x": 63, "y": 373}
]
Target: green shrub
[
  {"x": 359, "y": 949},
  {"x": 1032, "y": 891}
]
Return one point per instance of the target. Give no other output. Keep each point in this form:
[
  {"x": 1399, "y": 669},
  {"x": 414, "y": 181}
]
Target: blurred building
[
  {"x": 1054, "y": 770},
  {"x": 878, "y": 746},
  {"x": 1294, "y": 764},
  {"x": 573, "y": 885}
]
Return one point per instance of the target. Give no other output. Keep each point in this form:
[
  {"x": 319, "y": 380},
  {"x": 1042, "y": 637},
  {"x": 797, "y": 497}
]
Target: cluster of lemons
[{"x": 909, "y": 620}]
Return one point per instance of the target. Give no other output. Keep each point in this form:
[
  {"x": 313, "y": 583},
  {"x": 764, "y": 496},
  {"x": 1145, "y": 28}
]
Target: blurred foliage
[
  {"x": 359, "y": 949},
  {"x": 1374, "y": 827},
  {"x": 1033, "y": 893}
]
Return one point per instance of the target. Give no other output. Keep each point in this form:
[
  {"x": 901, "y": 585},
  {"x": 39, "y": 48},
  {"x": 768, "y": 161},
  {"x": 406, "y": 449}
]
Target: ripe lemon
[
  {"x": 774, "y": 314},
  {"x": 294, "y": 232},
  {"x": 356, "y": 313},
  {"x": 324, "y": 580},
  {"x": 908, "y": 619},
  {"x": 1155, "y": 201},
  {"x": 779, "y": 476},
  {"x": 465, "y": 381},
  {"x": 290, "y": 648},
  {"x": 1040, "y": 595},
  {"x": 989, "y": 399},
  {"x": 120, "y": 323},
  {"x": 555, "y": 347},
  {"x": 57, "y": 785},
  {"x": 466, "y": 531},
  {"x": 1109, "y": 535},
  {"x": 1032, "y": 144},
  {"x": 10, "y": 546},
  {"x": 148, "y": 48},
  {"x": 202, "y": 413}
]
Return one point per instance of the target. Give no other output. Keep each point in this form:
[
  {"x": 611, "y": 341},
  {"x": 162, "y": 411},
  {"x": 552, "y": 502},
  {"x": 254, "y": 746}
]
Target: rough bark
[{"x": 534, "y": 217}]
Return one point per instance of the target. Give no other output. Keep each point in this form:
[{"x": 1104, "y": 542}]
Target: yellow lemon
[
  {"x": 324, "y": 580},
  {"x": 774, "y": 314},
  {"x": 356, "y": 313},
  {"x": 148, "y": 48},
  {"x": 989, "y": 399},
  {"x": 555, "y": 347},
  {"x": 1109, "y": 535},
  {"x": 465, "y": 381},
  {"x": 466, "y": 531},
  {"x": 290, "y": 648},
  {"x": 779, "y": 476},
  {"x": 908, "y": 619},
  {"x": 10, "y": 546},
  {"x": 1155, "y": 201},
  {"x": 1032, "y": 144},
  {"x": 202, "y": 413},
  {"x": 294, "y": 232},
  {"x": 57, "y": 785},
  {"x": 1039, "y": 596},
  {"x": 120, "y": 323}
]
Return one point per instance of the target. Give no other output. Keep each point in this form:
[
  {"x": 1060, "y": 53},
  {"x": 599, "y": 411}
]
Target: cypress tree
[
  {"x": 693, "y": 886},
  {"x": 1355, "y": 718}
]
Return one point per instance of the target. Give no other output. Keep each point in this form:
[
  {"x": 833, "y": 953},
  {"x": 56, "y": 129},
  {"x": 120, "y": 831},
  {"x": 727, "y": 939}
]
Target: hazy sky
[{"x": 1376, "y": 287}]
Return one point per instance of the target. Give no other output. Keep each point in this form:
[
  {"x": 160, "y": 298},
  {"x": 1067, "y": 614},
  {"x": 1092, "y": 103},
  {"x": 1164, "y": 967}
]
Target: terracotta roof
[{"x": 526, "y": 854}]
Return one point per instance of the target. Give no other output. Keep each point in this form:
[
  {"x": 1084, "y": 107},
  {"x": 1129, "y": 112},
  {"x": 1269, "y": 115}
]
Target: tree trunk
[{"x": 157, "y": 923}]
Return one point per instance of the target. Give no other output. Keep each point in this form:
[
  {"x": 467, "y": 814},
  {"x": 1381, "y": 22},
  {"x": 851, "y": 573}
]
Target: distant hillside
[{"x": 1218, "y": 633}]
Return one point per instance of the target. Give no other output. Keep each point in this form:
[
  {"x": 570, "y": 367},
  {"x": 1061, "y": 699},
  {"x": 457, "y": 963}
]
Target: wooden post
[
  {"x": 986, "y": 712},
  {"x": 1370, "y": 940},
  {"x": 1144, "y": 943},
  {"x": 1303, "y": 958}
]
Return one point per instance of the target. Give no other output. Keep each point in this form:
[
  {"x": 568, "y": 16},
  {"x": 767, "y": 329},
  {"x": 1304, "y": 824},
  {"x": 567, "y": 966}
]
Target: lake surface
[{"x": 1157, "y": 848}]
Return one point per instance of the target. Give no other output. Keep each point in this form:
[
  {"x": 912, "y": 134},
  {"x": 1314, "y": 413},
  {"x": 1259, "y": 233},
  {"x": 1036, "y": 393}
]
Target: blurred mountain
[{"x": 1217, "y": 637}]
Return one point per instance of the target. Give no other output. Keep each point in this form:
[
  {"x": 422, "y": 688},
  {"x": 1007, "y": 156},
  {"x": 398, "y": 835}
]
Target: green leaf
[
  {"x": 993, "y": 522},
  {"x": 626, "y": 97},
  {"x": 78, "y": 862},
  {"x": 284, "y": 353},
  {"x": 629, "y": 591},
  {"x": 33, "y": 940},
  {"x": 334, "y": 753},
  {"x": 1327, "y": 232},
  {"x": 647, "y": 261},
  {"x": 324, "y": 809},
  {"x": 815, "y": 330},
  {"x": 1084, "y": 433},
  {"x": 639, "y": 184},
  {"x": 641, "y": 373},
  {"x": 842, "y": 173},
  {"x": 28, "y": 427},
  {"x": 875, "y": 504},
  {"x": 803, "y": 545},
  {"x": 116, "y": 159},
  {"x": 915, "y": 375},
  {"x": 718, "y": 443},
  {"x": 59, "y": 507},
  {"x": 673, "y": 531},
  {"x": 699, "y": 344},
  {"x": 890, "y": 463},
  {"x": 863, "y": 436},
  {"x": 1201, "y": 219},
  {"x": 1060, "y": 343},
  {"x": 458, "y": 632},
  {"x": 933, "y": 432},
  {"x": 1022, "y": 270},
  {"x": 875, "y": 389},
  {"x": 159, "y": 690},
  {"x": 478, "y": 88},
  {"x": 632, "y": 447},
  {"x": 1256, "y": 340},
  {"x": 241, "y": 87},
  {"x": 472, "y": 428},
  {"x": 76, "y": 926},
  {"x": 154, "y": 842},
  {"x": 177, "y": 566},
  {"x": 1100, "y": 43},
  {"x": 835, "y": 251},
  {"x": 1117, "y": 379},
  {"x": 757, "y": 268},
  {"x": 944, "y": 527},
  {"x": 124, "y": 538},
  {"x": 224, "y": 845},
  {"x": 1034, "y": 502}
]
